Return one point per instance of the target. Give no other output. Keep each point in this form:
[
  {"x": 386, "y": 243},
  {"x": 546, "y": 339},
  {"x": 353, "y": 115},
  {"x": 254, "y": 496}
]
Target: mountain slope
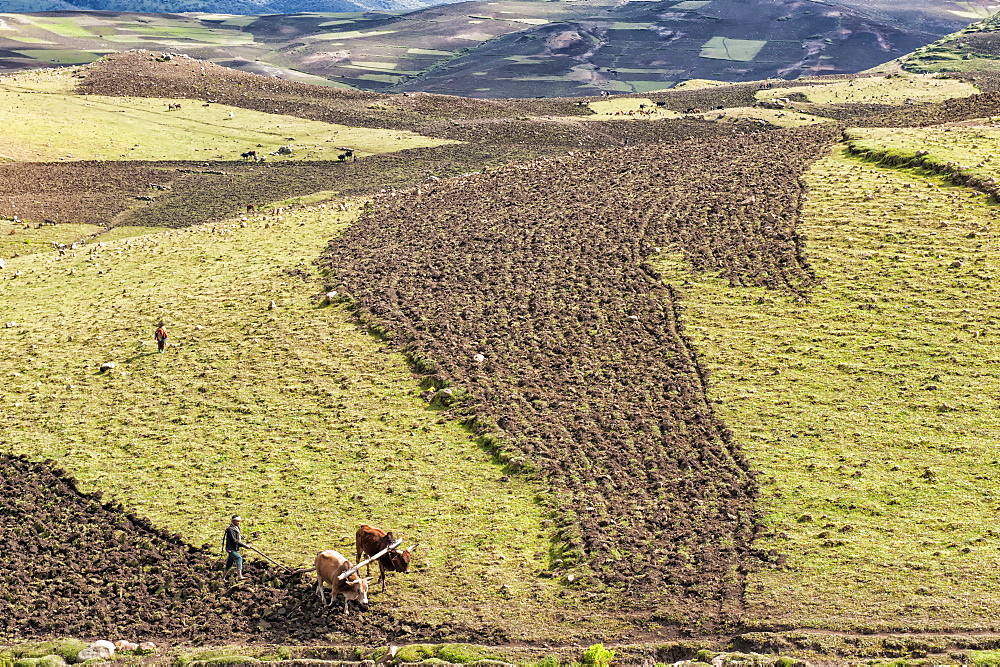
[{"x": 510, "y": 48}]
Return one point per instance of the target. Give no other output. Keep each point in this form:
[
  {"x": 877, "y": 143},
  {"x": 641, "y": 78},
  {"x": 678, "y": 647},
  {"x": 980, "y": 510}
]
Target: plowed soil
[
  {"x": 527, "y": 288},
  {"x": 498, "y": 122},
  {"x": 65, "y": 552},
  {"x": 183, "y": 193}
]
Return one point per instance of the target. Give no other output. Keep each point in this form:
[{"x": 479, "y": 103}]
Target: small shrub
[
  {"x": 415, "y": 653},
  {"x": 44, "y": 661},
  {"x": 598, "y": 656},
  {"x": 547, "y": 661},
  {"x": 984, "y": 658},
  {"x": 460, "y": 653},
  {"x": 67, "y": 649}
]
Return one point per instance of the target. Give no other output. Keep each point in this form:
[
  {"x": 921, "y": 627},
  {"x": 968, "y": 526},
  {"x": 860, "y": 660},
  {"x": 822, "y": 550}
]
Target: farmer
[
  {"x": 232, "y": 543},
  {"x": 160, "y": 335}
]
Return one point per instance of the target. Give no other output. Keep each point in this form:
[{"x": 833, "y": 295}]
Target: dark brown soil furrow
[{"x": 527, "y": 288}]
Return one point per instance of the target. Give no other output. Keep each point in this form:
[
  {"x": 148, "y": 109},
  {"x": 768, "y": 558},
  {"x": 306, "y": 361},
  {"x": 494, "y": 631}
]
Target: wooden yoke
[{"x": 357, "y": 567}]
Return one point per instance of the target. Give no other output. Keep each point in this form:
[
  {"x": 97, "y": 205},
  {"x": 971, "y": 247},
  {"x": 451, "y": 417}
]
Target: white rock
[
  {"x": 125, "y": 645},
  {"x": 147, "y": 646},
  {"x": 3, "y": 264},
  {"x": 107, "y": 366},
  {"x": 101, "y": 650},
  {"x": 10, "y": 325}
]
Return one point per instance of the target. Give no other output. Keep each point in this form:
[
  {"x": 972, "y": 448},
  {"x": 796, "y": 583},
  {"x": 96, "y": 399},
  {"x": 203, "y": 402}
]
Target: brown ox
[
  {"x": 371, "y": 540},
  {"x": 329, "y": 566}
]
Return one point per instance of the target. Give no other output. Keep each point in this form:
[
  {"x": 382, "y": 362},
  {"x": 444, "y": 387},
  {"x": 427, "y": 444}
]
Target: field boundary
[{"x": 952, "y": 172}]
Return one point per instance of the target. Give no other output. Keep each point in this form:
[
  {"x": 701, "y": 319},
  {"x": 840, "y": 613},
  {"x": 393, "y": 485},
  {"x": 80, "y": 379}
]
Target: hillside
[
  {"x": 512, "y": 48},
  {"x": 693, "y": 374}
]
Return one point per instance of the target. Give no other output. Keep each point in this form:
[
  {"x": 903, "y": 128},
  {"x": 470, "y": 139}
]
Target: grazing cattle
[
  {"x": 171, "y": 106},
  {"x": 348, "y": 153},
  {"x": 329, "y": 566},
  {"x": 370, "y": 541},
  {"x": 249, "y": 155}
]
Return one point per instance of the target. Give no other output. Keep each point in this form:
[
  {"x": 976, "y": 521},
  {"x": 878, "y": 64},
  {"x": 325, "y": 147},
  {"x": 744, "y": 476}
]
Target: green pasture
[
  {"x": 727, "y": 48},
  {"x": 974, "y": 147},
  {"x": 63, "y": 56},
  {"x": 869, "y": 409},
  {"x": 615, "y": 104},
  {"x": 63, "y": 27},
  {"x": 290, "y": 415},
  {"x": 428, "y": 52},
  {"x": 893, "y": 89},
  {"x": 700, "y": 84},
  {"x": 17, "y": 238},
  {"x": 41, "y": 120},
  {"x": 227, "y": 19},
  {"x": 347, "y": 34},
  {"x": 24, "y": 39}
]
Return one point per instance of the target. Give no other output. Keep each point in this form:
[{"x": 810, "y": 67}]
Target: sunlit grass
[
  {"x": 40, "y": 119},
  {"x": 289, "y": 415},
  {"x": 870, "y": 410}
]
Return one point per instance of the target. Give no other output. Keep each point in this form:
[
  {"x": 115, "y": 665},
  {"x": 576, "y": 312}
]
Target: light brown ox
[{"x": 329, "y": 566}]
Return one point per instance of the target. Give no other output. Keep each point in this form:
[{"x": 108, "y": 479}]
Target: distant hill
[
  {"x": 237, "y": 7},
  {"x": 508, "y": 48}
]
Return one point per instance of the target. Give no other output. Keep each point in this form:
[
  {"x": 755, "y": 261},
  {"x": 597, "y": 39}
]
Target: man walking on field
[
  {"x": 232, "y": 543},
  {"x": 161, "y": 336}
]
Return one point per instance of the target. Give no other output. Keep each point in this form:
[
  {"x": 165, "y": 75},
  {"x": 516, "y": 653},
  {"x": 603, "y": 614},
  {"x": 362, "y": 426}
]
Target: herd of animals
[{"x": 334, "y": 569}]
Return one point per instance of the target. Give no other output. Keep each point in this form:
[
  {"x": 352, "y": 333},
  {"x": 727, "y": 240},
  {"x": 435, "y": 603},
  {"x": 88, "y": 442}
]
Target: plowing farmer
[
  {"x": 232, "y": 543},
  {"x": 160, "y": 335}
]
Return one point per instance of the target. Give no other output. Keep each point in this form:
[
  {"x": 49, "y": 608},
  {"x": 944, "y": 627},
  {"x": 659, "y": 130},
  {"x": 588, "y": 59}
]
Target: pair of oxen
[{"x": 334, "y": 569}]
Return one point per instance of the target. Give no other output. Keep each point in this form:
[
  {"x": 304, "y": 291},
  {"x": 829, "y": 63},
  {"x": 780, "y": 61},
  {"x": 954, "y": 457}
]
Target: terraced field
[
  {"x": 291, "y": 416},
  {"x": 868, "y": 409},
  {"x": 662, "y": 384},
  {"x": 542, "y": 321}
]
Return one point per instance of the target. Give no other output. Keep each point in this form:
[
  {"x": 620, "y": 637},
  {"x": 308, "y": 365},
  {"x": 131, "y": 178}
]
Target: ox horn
[{"x": 412, "y": 548}]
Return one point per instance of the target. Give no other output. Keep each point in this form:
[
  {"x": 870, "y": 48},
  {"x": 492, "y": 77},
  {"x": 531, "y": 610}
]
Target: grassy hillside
[
  {"x": 868, "y": 409},
  {"x": 42, "y": 120},
  {"x": 822, "y": 491},
  {"x": 291, "y": 416}
]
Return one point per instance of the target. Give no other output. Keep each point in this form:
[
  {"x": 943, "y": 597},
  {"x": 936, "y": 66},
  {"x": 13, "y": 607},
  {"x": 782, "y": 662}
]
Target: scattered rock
[
  {"x": 99, "y": 650},
  {"x": 107, "y": 366}
]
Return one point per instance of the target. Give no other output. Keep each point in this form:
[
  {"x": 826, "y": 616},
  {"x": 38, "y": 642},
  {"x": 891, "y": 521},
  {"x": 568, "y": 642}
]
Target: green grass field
[
  {"x": 40, "y": 119},
  {"x": 894, "y": 89},
  {"x": 291, "y": 416},
  {"x": 871, "y": 409},
  {"x": 726, "y": 48},
  {"x": 970, "y": 148}
]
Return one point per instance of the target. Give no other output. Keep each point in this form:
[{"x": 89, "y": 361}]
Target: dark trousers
[{"x": 235, "y": 558}]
